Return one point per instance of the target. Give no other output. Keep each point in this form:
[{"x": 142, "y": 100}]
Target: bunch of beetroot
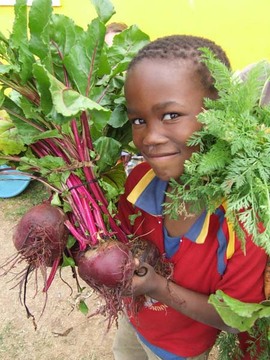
[
  {"x": 41, "y": 238},
  {"x": 65, "y": 100}
]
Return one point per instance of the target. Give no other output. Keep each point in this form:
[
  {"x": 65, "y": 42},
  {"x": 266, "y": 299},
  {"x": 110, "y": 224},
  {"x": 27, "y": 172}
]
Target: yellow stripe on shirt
[
  {"x": 140, "y": 187},
  {"x": 204, "y": 231},
  {"x": 231, "y": 243}
]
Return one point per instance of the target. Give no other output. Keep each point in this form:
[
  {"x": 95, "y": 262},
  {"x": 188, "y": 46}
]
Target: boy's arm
[
  {"x": 242, "y": 280},
  {"x": 189, "y": 303},
  {"x": 267, "y": 280}
]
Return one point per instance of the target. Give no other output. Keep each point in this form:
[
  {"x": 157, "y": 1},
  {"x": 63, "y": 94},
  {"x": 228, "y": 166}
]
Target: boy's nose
[{"x": 153, "y": 135}]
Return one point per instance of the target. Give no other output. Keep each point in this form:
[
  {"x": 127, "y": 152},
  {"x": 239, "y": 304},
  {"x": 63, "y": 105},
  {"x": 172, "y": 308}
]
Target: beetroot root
[
  {"x": 109, "y": 269},
  {"x": 111, "y": 264},
  {"x": 41, "y": 236},
  {"x": 40, "y": 239}
]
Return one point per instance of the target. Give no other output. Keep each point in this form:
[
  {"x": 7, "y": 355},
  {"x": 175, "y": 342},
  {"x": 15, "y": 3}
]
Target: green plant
[
  {"x": 228, "y": 347},
  {"x": 228, "y": 344},
  {"x": 61, "y": 72}
]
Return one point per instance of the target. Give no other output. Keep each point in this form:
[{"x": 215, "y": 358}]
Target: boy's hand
[{"x": 145, "y": 279}]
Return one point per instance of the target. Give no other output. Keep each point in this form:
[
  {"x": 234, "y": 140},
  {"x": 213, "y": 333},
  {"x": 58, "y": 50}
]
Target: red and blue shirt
[{"x": 208, "y": 257}]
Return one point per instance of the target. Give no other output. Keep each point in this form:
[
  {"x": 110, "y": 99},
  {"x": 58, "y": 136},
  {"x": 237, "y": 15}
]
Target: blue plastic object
[{"x": 12, "y": 183}]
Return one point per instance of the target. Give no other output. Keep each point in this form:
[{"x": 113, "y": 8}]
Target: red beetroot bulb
[
  {"x": 111, "y": 264},
  {"x": 41, "y": 236}
]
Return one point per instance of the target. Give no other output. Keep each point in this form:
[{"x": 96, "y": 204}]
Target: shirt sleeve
[{"x": 244, "y": 275}]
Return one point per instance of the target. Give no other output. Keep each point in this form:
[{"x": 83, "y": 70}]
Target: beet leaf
[{"x": 62, "y": 93}]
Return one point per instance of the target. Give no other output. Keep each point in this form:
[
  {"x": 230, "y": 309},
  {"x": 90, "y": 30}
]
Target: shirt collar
[{"x": 148, "y": 195}]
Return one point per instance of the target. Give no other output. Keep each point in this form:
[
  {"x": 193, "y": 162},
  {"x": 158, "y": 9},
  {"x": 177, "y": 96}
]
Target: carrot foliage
[{"x": 233, "y": 162}]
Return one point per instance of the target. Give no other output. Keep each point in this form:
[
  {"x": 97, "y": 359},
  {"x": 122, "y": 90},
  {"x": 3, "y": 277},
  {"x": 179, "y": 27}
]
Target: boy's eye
[
  {"x": 170, "y": 116},
  {"x": 137, "y": 121}
]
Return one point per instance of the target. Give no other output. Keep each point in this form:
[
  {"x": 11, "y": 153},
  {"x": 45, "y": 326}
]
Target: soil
[{"x": 63, "y": 332}]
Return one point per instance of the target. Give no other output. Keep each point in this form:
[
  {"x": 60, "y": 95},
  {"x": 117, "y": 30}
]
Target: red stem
[
  {"x": 86, "y": 129},
  {"x": 76, "y": 234}
]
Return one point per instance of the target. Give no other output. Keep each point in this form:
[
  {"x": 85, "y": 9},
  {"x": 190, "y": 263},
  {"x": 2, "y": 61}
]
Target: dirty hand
[{"x": 145, "y": 279}]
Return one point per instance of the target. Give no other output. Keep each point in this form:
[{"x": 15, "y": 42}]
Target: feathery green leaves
[{"x": 233, "y": 161}]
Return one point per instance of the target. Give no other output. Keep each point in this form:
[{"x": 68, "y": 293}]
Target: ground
[{"x": 63, "y": 332}]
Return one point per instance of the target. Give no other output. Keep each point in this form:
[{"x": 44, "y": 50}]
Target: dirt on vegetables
[{"x": 63, "y": 332}]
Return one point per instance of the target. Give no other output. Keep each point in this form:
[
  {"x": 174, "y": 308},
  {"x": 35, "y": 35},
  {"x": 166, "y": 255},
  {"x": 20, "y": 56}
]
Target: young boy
[{"x": 165, "y": 89}]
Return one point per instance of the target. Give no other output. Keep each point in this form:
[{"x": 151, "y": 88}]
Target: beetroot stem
[
  {"x": 83, "y": 212},
  {"x": 88, "y": 202},
  {"x": 81, "y": 239},
  {"x": 77, "y": 139},
  {"x": 87, "y": 133}
]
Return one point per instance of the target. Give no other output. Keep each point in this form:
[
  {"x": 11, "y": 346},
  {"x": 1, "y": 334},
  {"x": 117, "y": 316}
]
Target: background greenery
[{"x": 241, "y": 27}]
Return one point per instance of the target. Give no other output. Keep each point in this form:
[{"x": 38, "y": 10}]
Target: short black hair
[{"x": 186, "y": 47}]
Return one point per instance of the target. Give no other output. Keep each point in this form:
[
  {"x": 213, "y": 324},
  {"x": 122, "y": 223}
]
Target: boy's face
[{"x": 163, "y": 100}]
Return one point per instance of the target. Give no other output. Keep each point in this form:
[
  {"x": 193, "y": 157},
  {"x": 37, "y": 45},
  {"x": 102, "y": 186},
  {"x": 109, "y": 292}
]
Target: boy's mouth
[{"x": 161, "y": 155}]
